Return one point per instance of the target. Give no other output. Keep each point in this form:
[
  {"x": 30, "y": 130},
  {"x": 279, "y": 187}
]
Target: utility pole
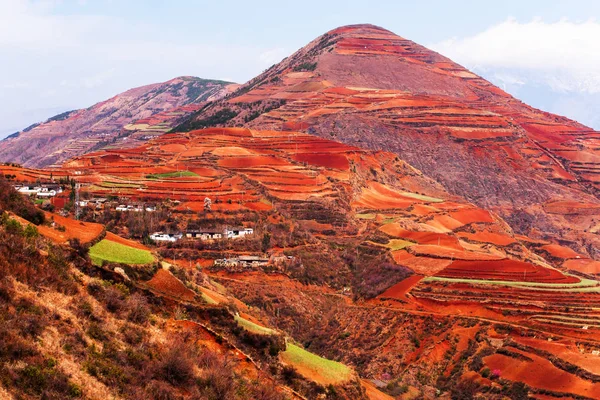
[{"x": 77, "y": 209}]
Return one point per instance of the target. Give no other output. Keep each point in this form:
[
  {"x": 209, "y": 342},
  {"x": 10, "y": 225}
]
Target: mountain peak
[{"x": 358, "y": 29}]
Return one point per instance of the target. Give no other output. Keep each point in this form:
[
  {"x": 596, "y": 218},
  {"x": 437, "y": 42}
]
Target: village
[
  {"x": 58, "y": 195},
  {"x": 209, "y": 234}
]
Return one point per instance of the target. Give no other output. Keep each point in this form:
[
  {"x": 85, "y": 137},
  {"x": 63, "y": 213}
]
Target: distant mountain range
[{"x": 76, "y": 132}]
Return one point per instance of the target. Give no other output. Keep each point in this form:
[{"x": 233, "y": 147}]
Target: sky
[{"x": 61, "y": 55}]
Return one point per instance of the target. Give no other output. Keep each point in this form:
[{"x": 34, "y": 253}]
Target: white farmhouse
[
  {"x": 165, "y": 237},
  {"x": 238, "y": 232}
]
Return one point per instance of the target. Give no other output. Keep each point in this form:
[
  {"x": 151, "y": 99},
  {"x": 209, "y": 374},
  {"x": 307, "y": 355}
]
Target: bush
[
  {"x": 176, "y": 366},
  {"x": 138, "y": 309}
]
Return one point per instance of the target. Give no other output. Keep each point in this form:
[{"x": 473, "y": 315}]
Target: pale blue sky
[{"x": 60, "y": 55}]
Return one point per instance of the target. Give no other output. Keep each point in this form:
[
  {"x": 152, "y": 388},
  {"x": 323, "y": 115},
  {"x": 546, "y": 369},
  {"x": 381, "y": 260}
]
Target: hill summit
[{"x": 365, "y": 86}]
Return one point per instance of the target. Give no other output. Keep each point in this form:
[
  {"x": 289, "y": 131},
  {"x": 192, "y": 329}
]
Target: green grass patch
[
  {"x": 176, "y": 174},
  {"x": 398, "y": 244},
  {"x": 106, "y": 250},
  {"x": 394, "y": 244},
  {"x": 208, "y": 299},
  {"x": 584, "y": 285},
  {"x": 220, "y": 288},
  {"x": 365, "y": 216},
  {"x": 108, "y": 184},
  {"x": 422, "y": 197},
  {"x": 330, "y": 371},
  {"x": 252, "y": 327}
]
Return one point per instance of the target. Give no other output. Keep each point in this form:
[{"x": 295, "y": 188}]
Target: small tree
[{"x": 266, "y": 242}]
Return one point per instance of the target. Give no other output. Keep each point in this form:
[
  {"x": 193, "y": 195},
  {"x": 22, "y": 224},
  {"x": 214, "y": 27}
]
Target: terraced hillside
[
  {"x": 370, "y": 88},
  {"x": 391, "y": 275},
  {"x": 132, "y": 116}
]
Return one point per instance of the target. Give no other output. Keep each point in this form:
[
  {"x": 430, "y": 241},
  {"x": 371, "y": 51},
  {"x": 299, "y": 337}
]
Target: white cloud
[{"x": 565, "y": 54}]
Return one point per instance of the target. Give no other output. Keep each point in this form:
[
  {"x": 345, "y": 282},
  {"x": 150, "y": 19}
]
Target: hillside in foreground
[
  {"x": 137, "y": 114},
  {"x": 414, "y": 288}
]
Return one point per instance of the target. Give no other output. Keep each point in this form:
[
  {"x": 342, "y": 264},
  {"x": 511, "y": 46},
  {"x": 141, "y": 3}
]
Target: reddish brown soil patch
[
  {"x": 559, "y": 251},
  {"x": 84, "y": 231},
  {"x": 400, "y": 289},
  {"x": 336, "y": 161},
  {"x": 488, "y": 237},
  {"x": 541, "y": 374},
  {"x": 472, "y": 215},
  {"x": 165, "y": 283},
  {"x": 506, "y": 270},
  {"x": 434, "y": 238},
  {"x": 421, "y": 265},
  {"x": 584, "y": 265},
  {"x": 451, "y": 253},
  {"x": 131, "y": 243}
]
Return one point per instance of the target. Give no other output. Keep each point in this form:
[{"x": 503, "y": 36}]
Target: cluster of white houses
[
  {"x": 41, "y": 191},
  {"x": 136, "y": 208},
  {"x": 249, "y": 261},
  {"x": 205, "y": 234}
]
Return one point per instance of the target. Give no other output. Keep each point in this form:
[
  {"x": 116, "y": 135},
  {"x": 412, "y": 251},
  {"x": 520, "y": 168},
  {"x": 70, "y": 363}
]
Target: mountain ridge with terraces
[
  {"x": 394, "y": 276},
  {"x": 123, "y": 120},
  {"x": 365, "y": 86}
]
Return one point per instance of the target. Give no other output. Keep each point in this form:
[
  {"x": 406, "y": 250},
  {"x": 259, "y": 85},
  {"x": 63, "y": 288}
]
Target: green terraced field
[
  {"x": 584, "y": 285},
  {"x": 329, "y": 370},
  {"x": 252, "y": 327},
  {"x": 106, "y": 250},
  {"x": 175, "y": 174},
  {"x": 422, "y": 197}
]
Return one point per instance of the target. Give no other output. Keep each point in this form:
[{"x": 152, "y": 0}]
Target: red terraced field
[
  {"x": 488, "y": 237},
  {"x": 164, "y": 283},
  {"x": 540, "y": 373},
  {"x": 250, "y": 161},
  {"x": 505, "y": 270},
  {"x": 473, "y": 215},
  {"x": 585, "y": 265},
  {"x": 558, "y": 251},
  {"x": 377, "y": 196},
  {"x": 421, "y": 265},
  {"x": 324, "y": 160},
  {"x": 400, "y": 289},
  {"x": 439, "y": 239},
  {"x": 84, "y": 231},
  {"x": 450, "y": 253}
]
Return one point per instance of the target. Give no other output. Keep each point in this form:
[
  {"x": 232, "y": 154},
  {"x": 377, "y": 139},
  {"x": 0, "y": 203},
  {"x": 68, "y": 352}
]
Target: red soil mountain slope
[
  {"x": 152, "y": 109},
  {"x": 395, "y": 276},
  {"x": 368, "y": 87}
]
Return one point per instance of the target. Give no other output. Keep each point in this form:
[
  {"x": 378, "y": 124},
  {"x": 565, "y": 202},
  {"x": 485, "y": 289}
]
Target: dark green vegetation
[
  {"x": 61, "y": 116},
  {"x": 220, "y": 117},
  {"x": 306, "y": 66}
]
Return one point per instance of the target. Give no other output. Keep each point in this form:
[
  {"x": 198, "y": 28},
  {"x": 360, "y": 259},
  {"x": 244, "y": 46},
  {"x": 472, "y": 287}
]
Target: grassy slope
[
  {"x": 252, "y": 327},
  {"x": 585, "y": 285},
  {"x": 171, "y": 175},
  {"x": 318, "y": 367},
  {"x": 106, "y": 250}
]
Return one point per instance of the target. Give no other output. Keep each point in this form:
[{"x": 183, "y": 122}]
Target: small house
[
  {"x": 165, "y": 237},
  {"x": 237, "y": 232}
]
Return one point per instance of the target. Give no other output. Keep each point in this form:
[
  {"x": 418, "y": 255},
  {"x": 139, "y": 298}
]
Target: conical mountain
[{"x": 366, "y": 86}]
